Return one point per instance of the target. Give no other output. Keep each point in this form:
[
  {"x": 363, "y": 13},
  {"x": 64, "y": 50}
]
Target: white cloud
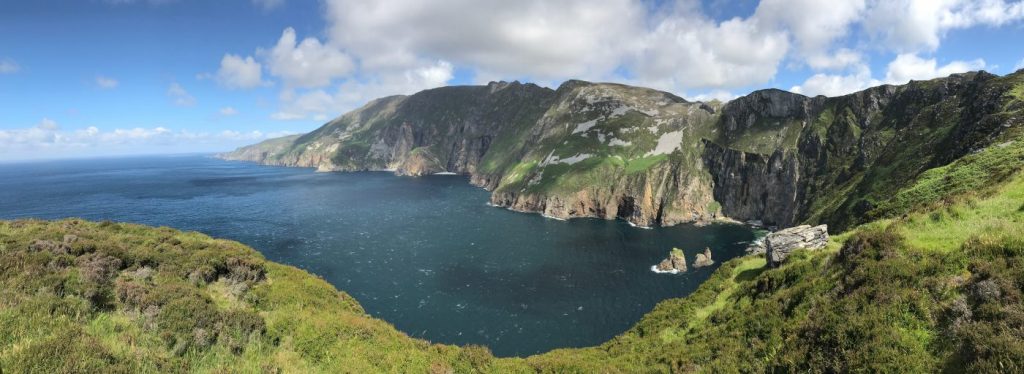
[
  {"x": 539, "y": 39},
  {"x": 48, "y": 124},
  {"x": 902, "y": 69},
  {"x": 915, "y": 25},
  {"x": 689, "y": 51},
  {"x": 908, "y": 67},
  {"x": 720, "y": 95},
  {"x": 8, "y": 66},
  {"x": 228, "y": 111},
  {"x": 836, "y": 60},
  {"x": 308, "y": 64},
  {"x": 321, "y": 105},
  {"x": 46, "y": 139},
  {"x": 106, "y": 82},
  {"x": 179, "y": 96},
  {"x": 238, "y": 72},
  {"x": 268, "y": 4},
  {"x": 837, "y": 84},
  {"x": 814, "y": 25},
  {"x": 1020, "y": 65}
]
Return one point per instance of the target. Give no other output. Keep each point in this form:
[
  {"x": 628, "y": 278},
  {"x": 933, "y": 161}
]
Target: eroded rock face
[
  {"x": 703, "y": 259},
  {"x": 778, "y": 245},
  {"x": 675, "y": 263}
]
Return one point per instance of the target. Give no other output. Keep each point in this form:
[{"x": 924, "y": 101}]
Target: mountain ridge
[{"x": 610, "y": 150}]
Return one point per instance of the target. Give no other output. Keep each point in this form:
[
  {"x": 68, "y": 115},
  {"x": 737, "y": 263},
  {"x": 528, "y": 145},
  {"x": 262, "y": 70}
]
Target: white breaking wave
[{"x": 654, "y": 268}]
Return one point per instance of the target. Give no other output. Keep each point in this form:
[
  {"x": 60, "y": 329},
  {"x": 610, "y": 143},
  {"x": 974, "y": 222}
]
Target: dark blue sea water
[{"x": 426, "y": 254}]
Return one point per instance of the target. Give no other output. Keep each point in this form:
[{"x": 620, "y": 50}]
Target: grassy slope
[{"x": 198, "y": 304}]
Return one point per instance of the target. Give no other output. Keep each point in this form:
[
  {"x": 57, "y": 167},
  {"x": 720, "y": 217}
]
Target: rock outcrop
[
  {"x": 778, "y": 245},
  {"x": 703, "y": 259},
  {"x": 675, "y": 263}
]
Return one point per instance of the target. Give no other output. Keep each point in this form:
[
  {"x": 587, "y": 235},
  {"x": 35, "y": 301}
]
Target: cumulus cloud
[
  {"x": 106, "y": 82},
  {"x": 902, "y": 69},
  {"x": 48, "y": 124},
  {"x": 836, "y": 60},
  {"x": 238, "y": 72},
  {"x": 533, "y": 38},
  {"x": 228, "y": 111},
  {"x": 720, "y": 95},
  {"x": 907, "y": 67},
  {"x": 915, "y": 25},
  {"x": 837, "y": 84},
  {"x": 814, "y": 25},
  {"x": 179, "y": 96},
  {"x": 688, "y": 51},
  {"x": 320, "y": 105},
  {"x": 8, "y": 66},
  {"x": 307, "y": 64}
]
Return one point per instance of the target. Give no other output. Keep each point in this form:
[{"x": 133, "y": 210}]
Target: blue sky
[{"x": 108, "y": 77}]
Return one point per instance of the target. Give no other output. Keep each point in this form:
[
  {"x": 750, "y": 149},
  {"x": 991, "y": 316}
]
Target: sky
[{"x": 89, "y": 78}]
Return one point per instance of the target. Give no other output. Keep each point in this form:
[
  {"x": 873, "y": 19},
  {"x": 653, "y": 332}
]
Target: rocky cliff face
[
  {"x": 651, "y": 158},
  {"x": 612, "y": 151},
  {"x": 785, "y": 159}
]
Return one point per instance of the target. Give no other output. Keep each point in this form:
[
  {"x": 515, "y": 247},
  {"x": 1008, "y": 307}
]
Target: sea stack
[
  {"x": 675, "y": 263},
  {"x": 703, "y": 259}
]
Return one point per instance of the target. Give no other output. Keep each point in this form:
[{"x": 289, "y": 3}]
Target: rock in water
[
  {"x": 675, "y": 263},
  {"x": 778, "y": 245},
  {"x": 703, "y": 259}
]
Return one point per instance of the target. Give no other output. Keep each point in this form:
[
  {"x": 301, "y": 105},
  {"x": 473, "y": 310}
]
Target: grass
[
  {"x": 972, "y": 174},
  {"x": 644, "y": 163},
  {"x": 766, "y": 136},
  {"x": 941, "y": 229},
  {"x": 746, "y": 270}
]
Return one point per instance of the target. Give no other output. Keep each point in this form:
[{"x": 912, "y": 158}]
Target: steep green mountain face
[
  {"x": 785, "y": 158},
  {"x": 444, "y": 129},
  {"x": 651, "y": 158},
  {"x": 608, "y": 151}
]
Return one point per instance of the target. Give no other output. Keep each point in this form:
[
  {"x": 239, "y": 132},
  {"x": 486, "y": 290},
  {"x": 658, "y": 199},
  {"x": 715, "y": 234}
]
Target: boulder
[
  {"x": 779, "y": 244},
  {"x": 703, "y": 259},
  {"x": 675, "y": 263}
]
